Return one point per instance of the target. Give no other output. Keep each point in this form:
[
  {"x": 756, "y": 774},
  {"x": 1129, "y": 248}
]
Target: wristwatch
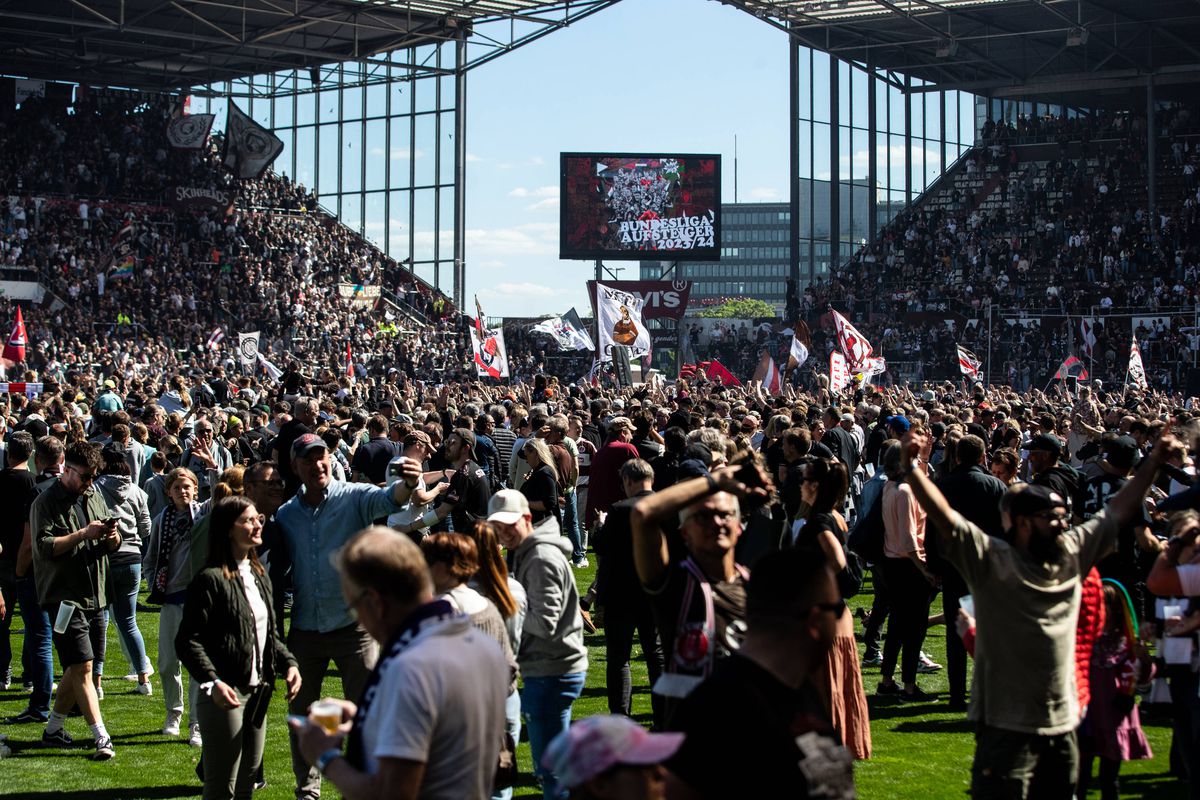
[{"x": 326, "y": 758}]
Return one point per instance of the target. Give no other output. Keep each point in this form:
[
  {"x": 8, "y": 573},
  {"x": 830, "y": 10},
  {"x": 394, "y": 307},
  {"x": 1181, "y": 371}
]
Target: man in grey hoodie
[{"x": 552, "y": 656}]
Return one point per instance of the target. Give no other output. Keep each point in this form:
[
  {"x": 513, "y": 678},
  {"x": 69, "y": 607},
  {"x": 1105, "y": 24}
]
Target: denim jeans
[
  {"x": 124, "y": 580},
  {"x": 512, "y": 724},
  {"x": 571, "y": 526},
  {"x": 546, "y": 705},
  {"x": 37, "y": 655},
  {"x": 8, "y": 585}
]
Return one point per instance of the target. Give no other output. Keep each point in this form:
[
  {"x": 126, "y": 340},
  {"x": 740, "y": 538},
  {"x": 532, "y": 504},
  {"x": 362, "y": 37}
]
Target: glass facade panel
[
  {"x": 354, "y": 135},
  {"x": 924, "y": 129}
]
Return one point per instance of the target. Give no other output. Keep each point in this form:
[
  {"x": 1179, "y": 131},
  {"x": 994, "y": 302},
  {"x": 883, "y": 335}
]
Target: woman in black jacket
[{"x": 229, "y": 643}]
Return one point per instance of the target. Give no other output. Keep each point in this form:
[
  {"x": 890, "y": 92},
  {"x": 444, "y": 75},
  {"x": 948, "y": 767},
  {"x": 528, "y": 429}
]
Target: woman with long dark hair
[
  {"x": 823, "y": 490},
  {"x": 230, "y": 645}
]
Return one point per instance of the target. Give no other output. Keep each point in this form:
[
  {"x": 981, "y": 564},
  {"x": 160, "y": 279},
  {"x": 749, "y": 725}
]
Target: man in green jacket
[{"x": 72, "y": 537}]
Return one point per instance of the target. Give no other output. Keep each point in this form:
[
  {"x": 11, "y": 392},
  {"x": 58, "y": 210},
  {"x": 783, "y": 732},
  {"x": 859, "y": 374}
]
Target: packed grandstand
[{"x": 1036, "y": 249}]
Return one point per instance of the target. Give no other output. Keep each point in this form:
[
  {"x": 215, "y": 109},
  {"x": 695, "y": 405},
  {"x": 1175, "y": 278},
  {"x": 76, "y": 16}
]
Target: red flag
[
  {"x": 14, "y": 351},
  {"x": 349, "y": 362},
  {"x": 479, "y": 319},
  {"x": 717, "y": 372},
  {"x": 1072, "y": 367}
]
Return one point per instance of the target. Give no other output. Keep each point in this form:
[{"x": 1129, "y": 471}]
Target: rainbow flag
[{"x": 122, "y": 268}]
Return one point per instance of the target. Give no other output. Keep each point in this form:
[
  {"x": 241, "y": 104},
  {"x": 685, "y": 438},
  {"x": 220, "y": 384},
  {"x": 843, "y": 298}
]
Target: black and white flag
[
  {"x": 249, "y": 147},
  {"x": 190, "y": 132},
  {"x": 248, "y": 349}
]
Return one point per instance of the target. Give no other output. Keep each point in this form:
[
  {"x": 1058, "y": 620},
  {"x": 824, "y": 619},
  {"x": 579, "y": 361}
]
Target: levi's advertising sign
[
  {"x": 632, "y": 206},
  {"x": 660, "y": 299}
]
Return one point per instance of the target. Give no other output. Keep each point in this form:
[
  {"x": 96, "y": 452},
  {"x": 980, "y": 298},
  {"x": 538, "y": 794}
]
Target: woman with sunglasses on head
[
  {"x": 823, "y": 487},
  {"x": 541, "y": 486},
  {"x": 229, "y": 643}
]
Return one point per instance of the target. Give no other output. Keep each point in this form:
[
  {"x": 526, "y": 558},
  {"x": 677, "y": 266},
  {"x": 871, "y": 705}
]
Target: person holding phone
[
  {"x": 71, "y": 543},
  {"x": 231, "y": 646}
]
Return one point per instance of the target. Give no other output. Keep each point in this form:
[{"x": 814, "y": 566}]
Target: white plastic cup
[
  {"x": 66, "y": 610},
  {"x": 326, "y": 714},
  {"x": 967, "y": 604}
]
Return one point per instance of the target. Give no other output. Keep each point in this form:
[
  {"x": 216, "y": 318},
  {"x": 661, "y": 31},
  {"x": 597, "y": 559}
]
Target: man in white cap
[
  {"x": 552, "y": 656},
  {"x": 611, "y": 757}
]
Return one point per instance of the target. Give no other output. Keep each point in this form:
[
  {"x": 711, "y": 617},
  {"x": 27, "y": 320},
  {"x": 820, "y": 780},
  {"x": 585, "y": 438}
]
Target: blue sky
[{"x": 644, "y": 75}]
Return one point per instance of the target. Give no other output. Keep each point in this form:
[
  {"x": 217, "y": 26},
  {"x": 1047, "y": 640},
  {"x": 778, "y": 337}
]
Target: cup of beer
[{"x": 327, "y": 714}]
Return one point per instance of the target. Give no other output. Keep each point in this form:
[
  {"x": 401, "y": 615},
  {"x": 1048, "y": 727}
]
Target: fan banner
[
  {"x": 968, "y": 363},
  {"x": 1087, "y": 330},
  {"x": 853, "y": 344},
  {"x": 1071, "y": 367},
  {"x": 491, "y": 359},
  {"x": 248, "y": 349},
  {"x": 14, "y": 350},
  {"x": 839, "y": 372},
  {"x": 249, "y": 147},
  {"x": 768, "y": 374},
  {"x": 190, "y": 132},
  {"x": 619, "y": 319},
  {"x": 798, "y": 354},
  {"x": 1137, "y": 372}
]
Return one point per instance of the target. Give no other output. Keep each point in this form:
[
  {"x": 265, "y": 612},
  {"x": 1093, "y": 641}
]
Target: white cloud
[
  {"x": 525, "y": 289},
  {"x": 540, "y": 191},
  {"x": 401, "y": 154},
  {"x": 535, "y": 161},
  {"x": 540, "y": 205},
  {"x": 473, "y": 159},
  {"x": 490, "y": 263},
  {"x": 764, "y": 193},
  {"x": 529, "y": 239}
]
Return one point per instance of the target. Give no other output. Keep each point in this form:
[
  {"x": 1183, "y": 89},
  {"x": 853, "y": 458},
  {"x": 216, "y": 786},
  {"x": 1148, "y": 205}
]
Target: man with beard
[{"x": 1027, "y": 592}]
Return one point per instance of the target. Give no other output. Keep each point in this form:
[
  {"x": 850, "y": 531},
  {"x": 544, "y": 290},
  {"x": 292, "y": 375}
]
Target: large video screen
[{"x": 635, "y": 206}]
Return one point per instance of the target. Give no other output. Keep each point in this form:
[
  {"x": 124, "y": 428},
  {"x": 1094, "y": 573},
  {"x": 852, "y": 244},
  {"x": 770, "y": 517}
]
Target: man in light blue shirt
[{"x": 318, "y": 520}]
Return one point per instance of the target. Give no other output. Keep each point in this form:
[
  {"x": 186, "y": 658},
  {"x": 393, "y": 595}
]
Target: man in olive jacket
[{"x": 72, "y": 537}]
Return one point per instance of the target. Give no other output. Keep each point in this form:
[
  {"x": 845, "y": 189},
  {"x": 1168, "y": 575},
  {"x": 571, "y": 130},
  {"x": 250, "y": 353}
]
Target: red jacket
[{"x": 1091, "y": 623}]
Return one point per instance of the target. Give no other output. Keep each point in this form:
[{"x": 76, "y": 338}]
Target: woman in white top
[{"x": 229, "y": 643}]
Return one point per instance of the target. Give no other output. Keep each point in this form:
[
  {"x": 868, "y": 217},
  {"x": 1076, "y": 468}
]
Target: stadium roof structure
[
  {"x": 1017, "y": 48},
  {"x": 175, "y": 44},
  {"x": 989, "y": 47}
]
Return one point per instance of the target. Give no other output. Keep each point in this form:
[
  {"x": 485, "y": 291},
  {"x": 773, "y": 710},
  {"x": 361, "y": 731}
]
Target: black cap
[
  {"x": 1046, "y": 442},
  {"x": 1122, "y": 452},
  {"x": 1028, "y": 499}
]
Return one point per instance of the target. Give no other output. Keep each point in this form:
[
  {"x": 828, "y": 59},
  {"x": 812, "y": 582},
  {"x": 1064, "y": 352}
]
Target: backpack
[{"x": 866, "y": 537}]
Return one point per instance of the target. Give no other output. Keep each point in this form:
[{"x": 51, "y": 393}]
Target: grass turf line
[{"x": 920, "y": 751}]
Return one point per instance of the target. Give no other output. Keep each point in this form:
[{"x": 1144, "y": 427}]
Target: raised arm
[
  {"x": 938, "y": 510},
  {"x": 650, "y": 555}
]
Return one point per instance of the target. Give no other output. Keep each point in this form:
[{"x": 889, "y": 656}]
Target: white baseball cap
[{"x": 507, "y": 506}]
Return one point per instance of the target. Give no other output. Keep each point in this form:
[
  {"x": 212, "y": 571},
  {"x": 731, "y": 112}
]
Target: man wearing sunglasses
[
  {"x": 1027, "y": 590},
  {"x": 72, "y": 537},
  {"x": 759, "y": 705}
]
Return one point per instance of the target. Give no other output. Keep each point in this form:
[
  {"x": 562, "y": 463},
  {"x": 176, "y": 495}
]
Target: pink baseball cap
[{"x": 595, "y": 744}]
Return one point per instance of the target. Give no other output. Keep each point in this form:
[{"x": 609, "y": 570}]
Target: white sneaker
[
  {"x": 171, "y": 728},
  {"x": 145, "y": 688},
  {"x": 195, "y": 740}
]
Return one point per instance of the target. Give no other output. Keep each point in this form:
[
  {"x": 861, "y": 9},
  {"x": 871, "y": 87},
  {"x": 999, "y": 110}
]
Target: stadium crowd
[
  {"x": 1043, "y": 240},
  {"x": 422, "y": 530}
]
